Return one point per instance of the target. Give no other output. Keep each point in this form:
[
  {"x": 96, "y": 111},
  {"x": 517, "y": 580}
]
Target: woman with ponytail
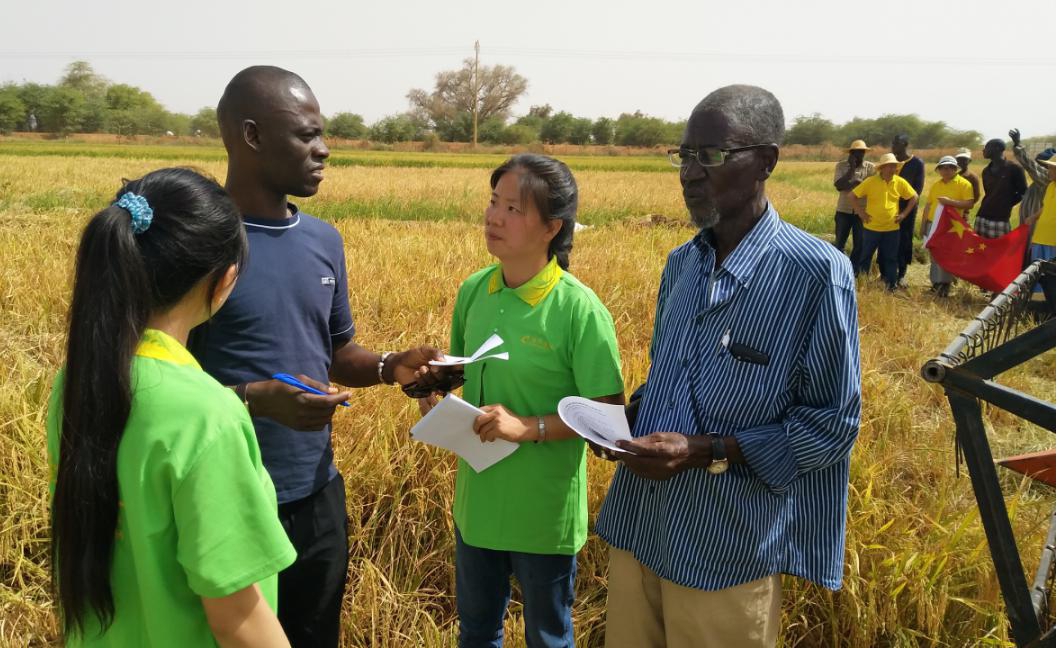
[
  {"x": 164, "y": 527},
  {"x": 526, "y": 516}
]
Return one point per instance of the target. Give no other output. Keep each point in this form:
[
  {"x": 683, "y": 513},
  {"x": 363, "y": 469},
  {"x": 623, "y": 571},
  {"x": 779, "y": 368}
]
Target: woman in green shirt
[
  {"x": 526, "y": 516},
  {"x": 164, "y": 526}
]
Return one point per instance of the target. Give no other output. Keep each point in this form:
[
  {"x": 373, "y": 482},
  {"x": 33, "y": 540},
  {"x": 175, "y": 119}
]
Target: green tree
[
  {"x": 394, "y": 128},
  {"x": 80, "y": 77},
  {"x": 603, "y": 131},
  {"x": 518, "y": 134},
  {"x": 12, "y": 110},
  {"x": 810, "y": 129},
  {"x": 63, "y": 111},
  {"x": 492, "y": 92},
  {"x": 637, "y": 129},
  {"x": 346, "y": 126},
  {"x": 580, "y": 133},
  {"x": 557, "y": 129},
  {"x": 204, "y": 122}
]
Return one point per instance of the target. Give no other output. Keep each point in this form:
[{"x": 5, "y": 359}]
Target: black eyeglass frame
[{"x": 682, "y": 155}]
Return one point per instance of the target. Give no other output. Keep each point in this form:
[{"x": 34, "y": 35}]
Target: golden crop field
[{"x": 918, "y": 572}]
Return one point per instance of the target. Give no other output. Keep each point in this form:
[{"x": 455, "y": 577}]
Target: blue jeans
[
  {"x": 886, "y": 244},
  {"x": 482, "y": 592}
]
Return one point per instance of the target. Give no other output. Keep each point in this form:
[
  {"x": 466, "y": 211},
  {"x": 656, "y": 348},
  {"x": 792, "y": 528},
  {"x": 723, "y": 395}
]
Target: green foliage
[
  {"x": 63, "y": 111},
  {"x": 12, "y": 110},
  {"x": 347, "y": 126},
  {"x": 811, "y": 129},
  {"x": 637, "y": 129},
  {"x": 394, "y": 128},
  {"x": 580, "y": 133},
  {"x": 491, "y": 90},
  {"x": 518, "y": 134},
  {"x": 603, "y": 131},
  {"x": 205, "y": 123},
  {"x": 922, "y": 134},
  {"x": 557, "y": 128}
]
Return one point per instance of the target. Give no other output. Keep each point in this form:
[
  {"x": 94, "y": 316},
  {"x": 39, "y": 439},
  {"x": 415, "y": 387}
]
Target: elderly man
[
  {"x": 1004, "y": 186},
  {"x": 846, "y": 176},
  {"x": 738, "y": 470}
]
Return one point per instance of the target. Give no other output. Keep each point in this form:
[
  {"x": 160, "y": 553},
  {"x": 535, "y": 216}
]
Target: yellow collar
[
  {"x": 535, "y": 289},
  {"x": 161, "y": 346}
]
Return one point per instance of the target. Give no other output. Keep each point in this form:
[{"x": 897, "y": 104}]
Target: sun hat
[
  {"x": 887, "y": 158},
  {"x": 964, "y": 153},
  {"x": 858, "y": 145},
  {"x": 947, "y": 160}
]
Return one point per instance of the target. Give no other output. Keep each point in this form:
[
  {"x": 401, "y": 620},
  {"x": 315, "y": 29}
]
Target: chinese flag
[{"x": 989, "y": 263}]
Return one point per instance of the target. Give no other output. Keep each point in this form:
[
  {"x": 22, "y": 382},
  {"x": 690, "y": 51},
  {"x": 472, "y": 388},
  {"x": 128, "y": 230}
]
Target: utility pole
[{"x": 476, "y": 88}]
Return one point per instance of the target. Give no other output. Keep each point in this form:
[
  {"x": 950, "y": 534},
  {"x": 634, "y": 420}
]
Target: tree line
[{"x": 85, "y": 102}]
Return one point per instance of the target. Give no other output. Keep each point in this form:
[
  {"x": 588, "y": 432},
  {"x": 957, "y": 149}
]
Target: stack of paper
[
  {"x": 600, "y": 423},
  {"x": 449, "y": 425}
]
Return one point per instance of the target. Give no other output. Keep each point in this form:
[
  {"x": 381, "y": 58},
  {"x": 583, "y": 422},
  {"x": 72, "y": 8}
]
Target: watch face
[{"x": 718, "y": 467}]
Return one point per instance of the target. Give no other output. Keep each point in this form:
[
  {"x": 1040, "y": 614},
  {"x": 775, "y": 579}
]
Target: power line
[{"x": 555, "y": 53}]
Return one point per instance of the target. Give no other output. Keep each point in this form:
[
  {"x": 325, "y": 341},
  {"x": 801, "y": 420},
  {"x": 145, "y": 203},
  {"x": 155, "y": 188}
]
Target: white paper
[
  {"x": 933, "y": 223},
  {"x": 600, "y": 423},
  {"x": 478, "y": 355},
  {"x": 449, "y": 425}
]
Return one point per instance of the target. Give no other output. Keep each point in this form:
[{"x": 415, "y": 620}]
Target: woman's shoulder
[
  {"x": 161, "y": 389},
  {"x": 576, "y": 293}
]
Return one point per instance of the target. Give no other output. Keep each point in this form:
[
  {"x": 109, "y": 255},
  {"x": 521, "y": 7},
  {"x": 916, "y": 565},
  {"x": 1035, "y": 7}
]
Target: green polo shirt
[
  {"x": 562, "y": 342},
  {"x": 197, "y": 514}
]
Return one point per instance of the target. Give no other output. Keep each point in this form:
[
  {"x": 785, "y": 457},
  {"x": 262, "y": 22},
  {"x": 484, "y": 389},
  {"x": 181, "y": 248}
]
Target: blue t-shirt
[{"x": 288, "y": 311}]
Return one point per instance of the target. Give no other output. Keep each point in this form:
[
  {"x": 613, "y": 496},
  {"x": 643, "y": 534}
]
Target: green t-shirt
[
  {"x": 197, "y": 515},
  {"x": 562, "y": 342}
]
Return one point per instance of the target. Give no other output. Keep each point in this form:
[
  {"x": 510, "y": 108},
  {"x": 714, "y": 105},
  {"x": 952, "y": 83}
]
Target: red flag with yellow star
[{"x": 989, "y": 263}]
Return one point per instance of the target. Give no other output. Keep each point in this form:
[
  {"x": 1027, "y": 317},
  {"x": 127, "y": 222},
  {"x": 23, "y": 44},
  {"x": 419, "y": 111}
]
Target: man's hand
[
  {"x": 428, "y": 403},
  {"x": 901, "y": 216},
  {"x": 498, "y": 422},
  {"x": 1015, "y": 136},
  {"x": 662, "y": 455},
  {"x": 944, "y": 200},
  {"x": 405, "y": 366},
  {"x": 289, "y": 406}
]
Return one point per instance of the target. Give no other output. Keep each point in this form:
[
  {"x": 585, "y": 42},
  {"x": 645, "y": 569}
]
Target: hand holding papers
[
  {"x": 449, "y": 425},
  {"x": 599, "y": 423},
  {"x": 478, "y": 355}
]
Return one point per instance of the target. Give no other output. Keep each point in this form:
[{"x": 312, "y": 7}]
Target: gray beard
[{"x": 704, "y": 217}]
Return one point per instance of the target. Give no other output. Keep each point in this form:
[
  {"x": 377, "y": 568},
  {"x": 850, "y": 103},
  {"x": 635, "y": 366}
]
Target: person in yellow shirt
[
  {"x": 1044, "y": 236},
  {"x": 877, "y": 204},
  {"x": 950, "y": 190}
]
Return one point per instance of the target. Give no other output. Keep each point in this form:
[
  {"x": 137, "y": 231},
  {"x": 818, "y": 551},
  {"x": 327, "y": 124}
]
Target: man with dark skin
[
  {"x": 847, "y": 175},
  {"x": 1004, "y": 187},
  {"x": 965, "y": 157},
  {"x": 289, "y": 313},
  {"x": 911, "y": 169},
  {"x": 738, "y": 467}
]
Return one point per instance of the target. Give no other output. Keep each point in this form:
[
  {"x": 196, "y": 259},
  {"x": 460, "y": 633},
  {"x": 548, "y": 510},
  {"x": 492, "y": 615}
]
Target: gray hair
[{"x": 754, "y": 114}]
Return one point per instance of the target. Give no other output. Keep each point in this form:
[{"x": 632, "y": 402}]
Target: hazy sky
[{"x": 987, "y": 66}]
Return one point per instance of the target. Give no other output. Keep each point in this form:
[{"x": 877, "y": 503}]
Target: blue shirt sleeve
[
  {"x": 820, "y": 430},
  {"x": 342, "y": 328}
]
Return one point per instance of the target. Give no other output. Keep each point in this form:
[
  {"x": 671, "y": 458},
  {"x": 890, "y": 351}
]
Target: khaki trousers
[{"x": 646, "y": 611}]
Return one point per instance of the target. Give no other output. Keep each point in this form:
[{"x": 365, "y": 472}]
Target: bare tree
[{"x": 499, "y": 88}]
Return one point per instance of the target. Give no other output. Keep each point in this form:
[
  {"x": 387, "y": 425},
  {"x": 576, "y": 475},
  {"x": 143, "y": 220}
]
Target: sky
[{"x": 986, "y": 66}]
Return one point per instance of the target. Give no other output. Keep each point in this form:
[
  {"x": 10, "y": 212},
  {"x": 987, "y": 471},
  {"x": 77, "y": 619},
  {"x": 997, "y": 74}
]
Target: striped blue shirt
[{"x": 790, "y": 296}]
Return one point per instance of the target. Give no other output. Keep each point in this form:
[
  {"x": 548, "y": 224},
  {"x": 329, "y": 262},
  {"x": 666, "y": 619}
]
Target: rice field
[{"x": 917, "y": 571}]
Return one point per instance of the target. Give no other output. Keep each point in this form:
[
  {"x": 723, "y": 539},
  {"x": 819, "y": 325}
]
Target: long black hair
[
  {"x": 121, "y": 278},
  {"x": 551, "y": 187}
]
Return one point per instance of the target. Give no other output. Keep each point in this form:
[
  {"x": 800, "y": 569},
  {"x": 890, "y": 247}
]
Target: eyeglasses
[{"x": 710, "y": 156}]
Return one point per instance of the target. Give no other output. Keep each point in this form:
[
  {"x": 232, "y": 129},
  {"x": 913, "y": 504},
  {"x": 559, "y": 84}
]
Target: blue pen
[{"x": 294, "y": 382}]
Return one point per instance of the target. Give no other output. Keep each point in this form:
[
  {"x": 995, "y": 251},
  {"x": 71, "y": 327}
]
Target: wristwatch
[{"x": 719, "y": 464}]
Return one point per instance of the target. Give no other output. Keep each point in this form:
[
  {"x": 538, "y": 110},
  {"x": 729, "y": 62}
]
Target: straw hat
[
  {"x": 858, "y": 145},
  {"x": 964, "y": 153},
  {"x": 887, "y": 158}
]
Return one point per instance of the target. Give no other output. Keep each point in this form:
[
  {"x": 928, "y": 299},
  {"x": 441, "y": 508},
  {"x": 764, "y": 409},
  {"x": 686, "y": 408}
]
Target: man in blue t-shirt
[{"x": 289, "y": 313}]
